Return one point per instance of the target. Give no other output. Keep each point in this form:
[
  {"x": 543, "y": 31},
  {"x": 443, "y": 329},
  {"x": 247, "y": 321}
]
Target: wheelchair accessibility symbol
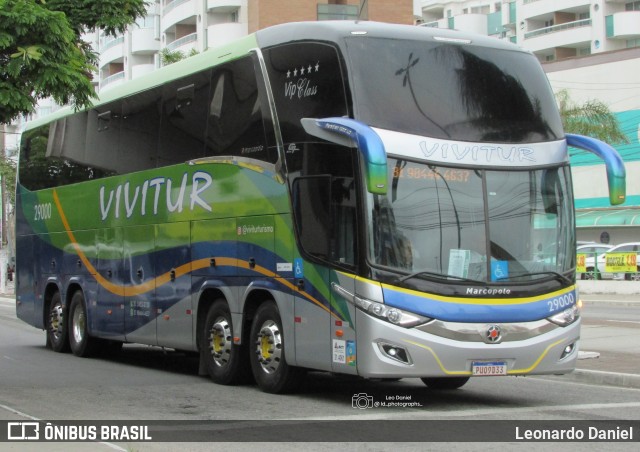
[{"x": 298, "y": 269}]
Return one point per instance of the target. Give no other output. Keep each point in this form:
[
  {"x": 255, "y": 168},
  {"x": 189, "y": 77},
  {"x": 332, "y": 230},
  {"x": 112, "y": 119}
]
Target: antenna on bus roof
[{"x": 362, "y": 5}]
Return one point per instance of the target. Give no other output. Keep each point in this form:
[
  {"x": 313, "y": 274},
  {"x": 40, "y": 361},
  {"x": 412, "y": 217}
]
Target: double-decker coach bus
[{"x": 377, "y": 200}]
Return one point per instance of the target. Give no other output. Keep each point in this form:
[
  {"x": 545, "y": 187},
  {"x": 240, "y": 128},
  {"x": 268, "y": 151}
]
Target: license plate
[{"x": 488, "y": 369}]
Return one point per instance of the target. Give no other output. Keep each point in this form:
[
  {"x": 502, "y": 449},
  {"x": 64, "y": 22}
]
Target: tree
[
  {"x": 168, "y": 57},
  {"x": 42, "y": 53},
  {"x": 593, "y": 119}
]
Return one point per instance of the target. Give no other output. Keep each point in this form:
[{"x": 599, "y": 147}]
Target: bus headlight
[
  {"x": 390, "y": 314},
  {"x": 566, "y": 317}
]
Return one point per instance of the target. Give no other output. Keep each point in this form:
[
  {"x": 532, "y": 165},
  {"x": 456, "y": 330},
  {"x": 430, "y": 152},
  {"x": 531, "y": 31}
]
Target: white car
[
  {"x": 599, "y": 273},
  {"x": 592, "y": 250}
]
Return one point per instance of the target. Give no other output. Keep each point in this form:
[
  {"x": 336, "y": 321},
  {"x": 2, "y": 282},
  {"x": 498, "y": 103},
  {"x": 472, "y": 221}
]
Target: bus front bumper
[{"x": 385, "y": 350}]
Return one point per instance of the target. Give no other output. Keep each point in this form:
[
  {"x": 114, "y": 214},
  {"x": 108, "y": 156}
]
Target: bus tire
[
  {"x": 266, "y": 354},
  {"x": 445, "y": 383},
  {"x": 226, "y": 362},
  {"x": 57, "y": 337},
  {"x": 81, "y": 343}
]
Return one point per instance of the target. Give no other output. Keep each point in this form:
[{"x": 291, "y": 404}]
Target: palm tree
[{"x": 592, "y": 118}]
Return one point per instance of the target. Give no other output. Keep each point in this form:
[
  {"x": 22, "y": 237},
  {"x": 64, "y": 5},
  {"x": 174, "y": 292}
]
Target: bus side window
[
  {"x": 343, "y": 197},
  {"x": 235, "y": 124},
  {"x": 101, "y": 148},
  {"x": 33, "y": 169},
  {"x": 140, "y": 130},
  {"x": 183, "y": 119}
]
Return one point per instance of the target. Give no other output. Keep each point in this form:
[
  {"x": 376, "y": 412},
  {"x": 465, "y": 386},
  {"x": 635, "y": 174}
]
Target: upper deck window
[
  {"x": 307, "y": 82},
  {"x": 451, "y": 91}
]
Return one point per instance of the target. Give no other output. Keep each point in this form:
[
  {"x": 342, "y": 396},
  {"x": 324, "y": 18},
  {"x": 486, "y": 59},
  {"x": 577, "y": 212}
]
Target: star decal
[{"x": 302, "y": 70}]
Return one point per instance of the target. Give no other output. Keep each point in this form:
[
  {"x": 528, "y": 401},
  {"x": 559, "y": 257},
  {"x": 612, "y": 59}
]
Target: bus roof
[
  {"x": 337, "y": 30},
  {"x": 165, "y": 74},
  {"x": 328, "y": 31}
]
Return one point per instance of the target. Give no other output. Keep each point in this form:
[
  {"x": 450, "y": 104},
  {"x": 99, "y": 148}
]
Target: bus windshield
[
  {"x": 473, "y": 224},
  {"x": 452, "y": 91}
]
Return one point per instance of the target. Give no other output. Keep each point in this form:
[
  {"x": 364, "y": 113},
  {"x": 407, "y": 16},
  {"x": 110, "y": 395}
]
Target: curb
[
  {"x": 599, "y": 377},
  {"x": 605, "y": 302}
]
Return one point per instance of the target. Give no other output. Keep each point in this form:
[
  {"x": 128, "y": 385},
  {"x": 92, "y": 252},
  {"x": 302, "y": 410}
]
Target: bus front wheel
[
  {"x": 57, "y": 337},
  {"x": 81, "y": 343},
  {"x": 226, "y": 362},
  {"x": 267, "y": 355},
  {"x": 445, "y": 383}
]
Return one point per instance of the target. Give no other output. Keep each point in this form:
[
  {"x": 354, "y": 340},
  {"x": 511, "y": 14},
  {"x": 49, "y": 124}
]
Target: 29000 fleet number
[
  {"x": 42, "y": 211},
  {"x": 561, "y": 302}
]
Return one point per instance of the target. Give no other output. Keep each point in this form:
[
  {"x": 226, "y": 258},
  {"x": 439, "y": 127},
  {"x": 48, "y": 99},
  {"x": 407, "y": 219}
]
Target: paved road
[{"x": 144, "y": 383}]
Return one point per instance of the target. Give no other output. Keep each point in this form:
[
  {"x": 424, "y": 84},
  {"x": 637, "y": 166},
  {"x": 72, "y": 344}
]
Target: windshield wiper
[
  {"x": 434, "y": 275},
  {"x": 559, "y": 276}
]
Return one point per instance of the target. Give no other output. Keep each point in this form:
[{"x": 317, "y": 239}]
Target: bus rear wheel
[
  {"x": 57, "y": 337},
  {"x": 445, "y": 383},
  {"x": 81, "y": 343},
  {"x": 267, "y": 355},
  {"x": 226, "y": 362}
]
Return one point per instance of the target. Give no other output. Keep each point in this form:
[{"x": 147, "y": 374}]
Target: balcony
[
  {"x": 623, "y": 25},
  {"x": 223, "y": 6},
  {"x": 112, "y": 51},
  {"x": 532, "y": 9},
  {"x": 184, "y": 44},
  {"x": 221, "y": 34},
  {"x": 144, "y": 41},
  {"x": 575, "y": 34},
  {"x": 111, "y": 81},
  {"x": 179, "y": 11},
  {"x": 557, "y": 28}
]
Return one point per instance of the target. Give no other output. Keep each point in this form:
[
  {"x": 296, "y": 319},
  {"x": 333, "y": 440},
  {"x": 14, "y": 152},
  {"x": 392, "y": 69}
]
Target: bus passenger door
[
  {"x": 108, "y": 316},
  {"x": 173, "y": 294},
  {"x": 139, "y": 300},
  {"x": 343, "y": 333},
  {"x": 312, "y": 315},
  {"x": 311, "y": 195}
]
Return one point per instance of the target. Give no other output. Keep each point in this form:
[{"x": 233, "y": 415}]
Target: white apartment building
[
  {"x": 176, "y": 25},
  {"x": 551, "y": 29}
]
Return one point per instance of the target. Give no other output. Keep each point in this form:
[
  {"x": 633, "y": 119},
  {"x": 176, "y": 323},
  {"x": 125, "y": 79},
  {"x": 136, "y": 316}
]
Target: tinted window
[
  {"x": 455, "y": 92},
  {"x": 183, "y": 119},
  {"x": 235, "y": 124},
  {"x": 55, "y": 155},
  {"x": 307, "y": 82},
  {"x": 325, "y": 200},
  {"x": 139, "y": 132}
]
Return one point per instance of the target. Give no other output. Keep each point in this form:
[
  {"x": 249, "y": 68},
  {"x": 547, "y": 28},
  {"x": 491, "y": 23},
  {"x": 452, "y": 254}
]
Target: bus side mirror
[
  {"x": 312, "y": 211},
  {"x": 351, "y": 133},
  {"x": 616, "y": 175}
]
